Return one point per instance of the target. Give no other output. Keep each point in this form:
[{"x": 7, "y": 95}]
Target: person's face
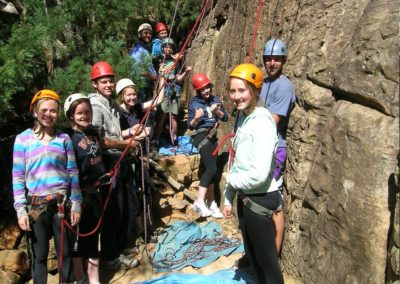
[
  {"x": 239, "y": 94},
  {"x": 274, "y": 65},
  {"x": 168, "y": 50},
  {"x": 47, "y": 113},
  {"x": 104, "y": 85},
  {"x": 82, "y": 116},
  {"x": 162, "y": 34},
  {"x": 205, "y": 92},
  {"x": 129, "y": 97},
  {"x": 146, "y": 36}
]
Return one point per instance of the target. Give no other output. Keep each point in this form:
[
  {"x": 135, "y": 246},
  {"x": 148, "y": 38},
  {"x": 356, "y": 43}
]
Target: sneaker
[
  {"x": 201, "y": 208},
  {"x": 215, "y": 212},
  {"x": 127, "y": 262}
]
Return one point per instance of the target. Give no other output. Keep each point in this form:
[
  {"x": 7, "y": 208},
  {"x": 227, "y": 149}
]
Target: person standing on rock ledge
[
  {"x": 204, "y": 112},
  {"x": 45, "y": 177},
  {"x": 278, "y": 96},
  {"x": 250, "y": 177}
]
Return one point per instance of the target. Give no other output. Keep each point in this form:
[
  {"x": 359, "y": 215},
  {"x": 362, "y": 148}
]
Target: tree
[{"x": 56, "y": 41}]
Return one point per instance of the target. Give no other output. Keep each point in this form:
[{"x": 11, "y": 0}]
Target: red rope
[
  {"x": 61, "y": 247},
  {"x": 253, "y": 40},
  {"x": 142, "y": 121}
]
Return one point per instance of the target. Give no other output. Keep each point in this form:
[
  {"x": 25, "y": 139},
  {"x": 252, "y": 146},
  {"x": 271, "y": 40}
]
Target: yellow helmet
[
  {"x": 248, "y": 72},
  {"x": 46, "y": 93}
]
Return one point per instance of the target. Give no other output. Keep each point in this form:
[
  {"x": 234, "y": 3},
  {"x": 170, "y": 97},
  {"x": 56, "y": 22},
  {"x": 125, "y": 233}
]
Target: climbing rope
[{"x": 255, "y": 29}]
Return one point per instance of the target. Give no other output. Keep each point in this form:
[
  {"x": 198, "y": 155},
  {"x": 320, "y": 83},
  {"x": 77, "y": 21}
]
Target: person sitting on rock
[{"x": 205, "y": 110}]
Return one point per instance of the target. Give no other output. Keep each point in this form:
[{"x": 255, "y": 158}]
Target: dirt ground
[{"x": 145, "y": 270}]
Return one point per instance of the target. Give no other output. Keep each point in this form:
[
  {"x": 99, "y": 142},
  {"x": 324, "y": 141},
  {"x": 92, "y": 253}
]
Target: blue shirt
[
  {"x": 142, "y": 56},
  {"x": 278, "y": 97},
  {"x": 207, "y": 120}
]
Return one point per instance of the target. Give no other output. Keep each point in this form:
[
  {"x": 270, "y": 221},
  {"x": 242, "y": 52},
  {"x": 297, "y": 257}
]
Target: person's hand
[
  {"x": 137, "y": 129},
  {"x": 199, "y": 113},
  {"x": 215, "y": 107},
  {"x": 23, "y": 223},
  {"x": 75, "y": 217},
  {"x": 189, "y": 68},
  {"x": 227, "y": 211},
  {"x": 225, "y": 175}
]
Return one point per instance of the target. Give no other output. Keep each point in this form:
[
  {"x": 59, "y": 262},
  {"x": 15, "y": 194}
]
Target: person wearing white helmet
[
  {"x": 87, "y": 146},
  {"x": 132, "y": 110},
  {"x": 278, "y": 95},
  {"x": 140, "y": 53}
]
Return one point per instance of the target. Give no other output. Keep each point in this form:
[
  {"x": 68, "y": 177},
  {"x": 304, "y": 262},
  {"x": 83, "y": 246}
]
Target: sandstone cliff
[{"x": 341, "y": 184}]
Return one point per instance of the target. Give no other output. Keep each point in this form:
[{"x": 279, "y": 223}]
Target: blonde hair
[
  {"x": 254, "y": 92},
  {"x": 122, "y": 93},
  {"x": 37, "y": 127}
]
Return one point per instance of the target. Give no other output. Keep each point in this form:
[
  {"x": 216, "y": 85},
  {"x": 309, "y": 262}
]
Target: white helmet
[
  {"x": 68, "y": 102},
  {"x": 144, "y": 26},
  {"x": 122, "y": 84}
]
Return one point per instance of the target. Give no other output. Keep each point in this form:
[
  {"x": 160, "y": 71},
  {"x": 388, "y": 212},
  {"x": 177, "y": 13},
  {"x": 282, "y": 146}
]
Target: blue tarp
[
  {"x": 227, "y": 276},
  {"x": 187, "y": 243},
  {"x": 184, "y": 147}
]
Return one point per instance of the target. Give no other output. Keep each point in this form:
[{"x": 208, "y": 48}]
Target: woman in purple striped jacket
[{"x": 45, "y": 175}]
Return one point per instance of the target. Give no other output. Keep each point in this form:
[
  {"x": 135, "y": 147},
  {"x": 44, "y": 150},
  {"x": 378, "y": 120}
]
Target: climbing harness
[
  {"x": 253, "y": 206},
  {"x": 211, "y": 133}
]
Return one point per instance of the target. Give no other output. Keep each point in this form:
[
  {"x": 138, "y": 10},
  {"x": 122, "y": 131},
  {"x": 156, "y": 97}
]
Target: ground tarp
[
  {"x": 227, "y": 276},
  {"x": 187, "y": 243}
]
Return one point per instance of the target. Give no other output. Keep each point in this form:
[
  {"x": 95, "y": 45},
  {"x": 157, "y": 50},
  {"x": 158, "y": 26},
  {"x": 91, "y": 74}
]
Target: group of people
[{"x": 74, "y": 170}]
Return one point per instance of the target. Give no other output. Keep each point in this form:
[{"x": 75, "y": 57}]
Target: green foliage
[{"x": 54, "y": 45}]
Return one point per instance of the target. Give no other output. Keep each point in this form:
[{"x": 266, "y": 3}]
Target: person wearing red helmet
[
  {"x": 205, "y": 110},
  {"x": 250, "y": 177},
  {"x": 161, "y": 33},
  {"x": 118, "y": 222}
]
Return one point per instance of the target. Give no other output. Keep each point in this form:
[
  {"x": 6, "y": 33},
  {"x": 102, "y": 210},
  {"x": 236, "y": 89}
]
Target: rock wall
[{"x": 341, "y": 183}]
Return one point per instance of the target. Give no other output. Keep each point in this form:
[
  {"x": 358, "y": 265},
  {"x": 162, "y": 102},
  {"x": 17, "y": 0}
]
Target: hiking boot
[
  {"x": 215, "y": 212},
  {"x": 111, "y": 264},
  {"x": 201, "y": 208},
  {"x": 127, "y": 262},
  {"x": 130, "y": 252},
  {"x": 243, "y": 262}
]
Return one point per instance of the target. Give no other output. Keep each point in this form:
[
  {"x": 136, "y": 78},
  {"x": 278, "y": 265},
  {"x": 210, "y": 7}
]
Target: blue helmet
[
  {"x": 168, "y": 41},
  {"x": 274, "y": 47}
]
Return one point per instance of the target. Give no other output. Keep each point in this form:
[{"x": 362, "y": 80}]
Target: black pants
[
  {"x": 119, "y": 219},
  {"x": 208, "y": 163},
  {"x": 43, "y": 228},
  {"x": 259, "y": 238}
]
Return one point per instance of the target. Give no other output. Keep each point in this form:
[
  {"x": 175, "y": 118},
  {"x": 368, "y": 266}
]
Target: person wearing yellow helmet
[
  {"x": 45, "y": 175},
  {"x": 250, "y": 176}
]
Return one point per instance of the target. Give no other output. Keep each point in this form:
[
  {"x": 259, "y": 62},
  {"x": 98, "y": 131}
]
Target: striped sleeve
[
  {"x": 72, "y": 169},
  {"x": 18, "y": 177}
]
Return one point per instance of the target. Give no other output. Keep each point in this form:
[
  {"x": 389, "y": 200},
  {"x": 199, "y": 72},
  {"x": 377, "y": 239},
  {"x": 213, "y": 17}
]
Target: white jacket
[{"x": 255, "y": 145}]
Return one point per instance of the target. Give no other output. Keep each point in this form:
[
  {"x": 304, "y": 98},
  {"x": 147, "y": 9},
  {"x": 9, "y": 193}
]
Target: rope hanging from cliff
[
  {"x": 253, "y": 40},
  {"x": 231, "y": 135}
]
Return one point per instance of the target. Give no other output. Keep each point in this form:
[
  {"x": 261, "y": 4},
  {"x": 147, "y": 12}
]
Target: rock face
[{"x": 341, "y": 182}]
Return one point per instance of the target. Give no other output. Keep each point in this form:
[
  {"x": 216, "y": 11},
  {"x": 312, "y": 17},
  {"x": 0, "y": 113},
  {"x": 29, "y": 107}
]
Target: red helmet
[
  {"x": 160, "y": 26},
  {"x": 199, "y": 81},
  {"x": 101, "y": 69}
]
